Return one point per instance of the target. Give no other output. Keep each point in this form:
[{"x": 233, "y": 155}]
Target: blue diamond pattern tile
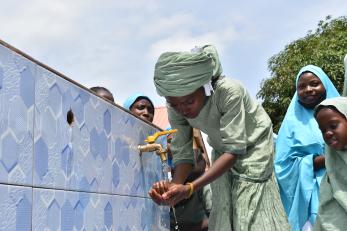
[
  {"x": 17, "y": 118},
  {"x": 84, "y": 139},
  {"x": 49, "y": 127},
  {"x": 147, "y": 216},
  {"x": 122, "y": 151},
  {"x": 115, "y": 175},
  {"x": 79, "y": 216},
  {"x": 94, "y": 142},
  {"x": 27, "y": 86},
  {"x": 67, "y": 216},
  {"x": 23, "y": 214},
  {"x": 131, "y": 121},
  {"x": 41, "y": 158},
  {"x": 78, "y": 110},
  {"x": 138, "y": 182},
  {"x": 67, "y": 102},
  {"x": 108, "y": 215},
  {"x": 107, "y": 122},
  {"x": 66, "y": 160},
  {"x": 75, "y": 92},
  {"x": 9, "y": 152},
  {"x": 55, "y": 99},
  {"x": 53, "y": 215},
  {"x": 84, "y": 184},
  {"x": 103, "y": 145},
  {"x": 84, "y": 198},
  {"x": 94, "y": 185},
  {"x": 84, "y": 96}
]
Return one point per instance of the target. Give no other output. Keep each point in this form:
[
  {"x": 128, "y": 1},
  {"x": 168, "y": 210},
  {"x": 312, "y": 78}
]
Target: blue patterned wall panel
[
  {"x": 68, "y": 210},
  {"x": 15, "y": 208},
  {"x": 17, "y": 80},
  {"x": 99, "y": 152},
  {"x": 84, "y": 176}
]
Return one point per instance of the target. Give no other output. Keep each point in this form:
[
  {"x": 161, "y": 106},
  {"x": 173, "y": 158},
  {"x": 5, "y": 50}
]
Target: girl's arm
[
  {"x": 182, "y": 171},
  {"x": 178, "y": 192},
  {"x": 219, "y": 167}
]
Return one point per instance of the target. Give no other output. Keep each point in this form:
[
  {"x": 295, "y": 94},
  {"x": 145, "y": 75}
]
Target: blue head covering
[
  {"x": 133, "y": 98},
  {"x": 299, "y": 140}
]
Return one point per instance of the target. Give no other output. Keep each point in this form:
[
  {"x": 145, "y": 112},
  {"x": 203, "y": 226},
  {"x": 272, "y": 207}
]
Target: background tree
[{"x": 325, "y": 47}]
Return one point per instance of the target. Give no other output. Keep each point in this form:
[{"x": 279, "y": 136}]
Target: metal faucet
[{"x": 155, "y": 147}]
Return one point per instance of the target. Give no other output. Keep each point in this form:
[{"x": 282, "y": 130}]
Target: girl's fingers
[
  {"x": 157, "y": 198},
  {"x": 162, "y": 187}
]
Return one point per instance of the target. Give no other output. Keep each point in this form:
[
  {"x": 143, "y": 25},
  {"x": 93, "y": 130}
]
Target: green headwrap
[
  {"x": 212, "y": 52},
  {"x": 182, "y": 73}
]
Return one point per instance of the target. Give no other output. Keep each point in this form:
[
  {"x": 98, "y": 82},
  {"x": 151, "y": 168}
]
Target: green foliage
[{"x": 325, "y": 47}]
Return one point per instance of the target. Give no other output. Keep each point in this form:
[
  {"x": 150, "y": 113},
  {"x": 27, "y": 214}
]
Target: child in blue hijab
[{"x": 299, "y": 161}]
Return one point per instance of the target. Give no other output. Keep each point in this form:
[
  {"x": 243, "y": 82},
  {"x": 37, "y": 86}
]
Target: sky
[{"x": 115, "y": 43}]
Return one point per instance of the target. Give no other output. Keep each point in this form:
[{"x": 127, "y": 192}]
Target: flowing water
[
  {"x": 166, "y": 169},
  {"x": 174, "y": 213}
]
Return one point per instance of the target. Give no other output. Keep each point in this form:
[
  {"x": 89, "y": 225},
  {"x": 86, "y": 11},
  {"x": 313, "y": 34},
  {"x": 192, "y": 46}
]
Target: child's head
[
  {"x": 103, "y": 92},
  {"x": 331, "y": 116},
  {"x": 185, "y": 78},
  {"x": 190, "y": 105},
  {"x": 310, "y": 90},
  {"x": 140, "y": 105}
]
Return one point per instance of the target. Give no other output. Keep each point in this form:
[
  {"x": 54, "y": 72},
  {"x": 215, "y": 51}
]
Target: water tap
[{"x": 151, "y": 146}]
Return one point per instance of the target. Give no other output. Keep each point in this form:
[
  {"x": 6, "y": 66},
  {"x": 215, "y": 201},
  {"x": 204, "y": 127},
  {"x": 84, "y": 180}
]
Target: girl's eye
[
  {"x": 172, "y": 105},
  {"x": 190, "y": 102},
  {"x": 333, "y": 126},
  {"x": 301, "y": 87},
  {"x": 315, "y": 84}
]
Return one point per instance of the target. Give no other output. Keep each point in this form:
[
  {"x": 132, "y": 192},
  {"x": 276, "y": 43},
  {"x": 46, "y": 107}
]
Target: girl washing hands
[{"x": 245, "y": 195}]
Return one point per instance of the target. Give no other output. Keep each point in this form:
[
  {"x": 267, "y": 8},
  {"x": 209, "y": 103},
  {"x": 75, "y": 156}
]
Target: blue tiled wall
[{"x": 54, "y": 176}]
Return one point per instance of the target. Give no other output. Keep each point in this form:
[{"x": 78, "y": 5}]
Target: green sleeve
[
  {"x": 182, "y": 143},
  {"x": 231, "y": 103}
]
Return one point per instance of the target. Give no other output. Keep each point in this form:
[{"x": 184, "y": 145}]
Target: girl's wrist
[{"x": 191, "y": 189}]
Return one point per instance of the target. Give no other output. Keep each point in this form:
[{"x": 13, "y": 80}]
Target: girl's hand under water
[
  {"x": 157, "y": 190},
  {"x": 175, "y": 193}
]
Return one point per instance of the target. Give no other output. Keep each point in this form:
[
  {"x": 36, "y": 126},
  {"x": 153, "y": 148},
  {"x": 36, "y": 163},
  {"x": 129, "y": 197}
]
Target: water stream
[{"x": 166, "y": 169}]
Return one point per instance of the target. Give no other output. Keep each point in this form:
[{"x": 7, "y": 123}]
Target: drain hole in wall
[{"x": 70, "y": 117}]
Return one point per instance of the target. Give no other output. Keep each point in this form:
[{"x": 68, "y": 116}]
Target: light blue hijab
[
  {"x": 299, "y": 140},
  {"x": 133, "y": 98}
]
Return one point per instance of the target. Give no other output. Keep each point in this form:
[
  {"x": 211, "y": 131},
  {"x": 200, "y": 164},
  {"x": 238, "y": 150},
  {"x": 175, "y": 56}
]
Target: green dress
[{"x": 246, "y": 197}]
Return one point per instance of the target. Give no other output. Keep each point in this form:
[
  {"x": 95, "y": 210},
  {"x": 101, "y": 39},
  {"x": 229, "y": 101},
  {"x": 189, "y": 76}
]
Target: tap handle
[{"x": 151, "y": 139}]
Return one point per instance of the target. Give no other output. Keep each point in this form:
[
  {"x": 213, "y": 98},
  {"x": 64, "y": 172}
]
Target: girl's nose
[
  {"x": 328, "y": 134},
  {"x": 308, "y": 88},
  {"x": 185, "y": 111},
  {"x": 145, "y": 112}
]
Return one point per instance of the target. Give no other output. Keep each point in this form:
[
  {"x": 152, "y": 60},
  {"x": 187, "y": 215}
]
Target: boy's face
[
  {"x": 334, "y": 128},
  {"x": 188, "y": 106}
]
